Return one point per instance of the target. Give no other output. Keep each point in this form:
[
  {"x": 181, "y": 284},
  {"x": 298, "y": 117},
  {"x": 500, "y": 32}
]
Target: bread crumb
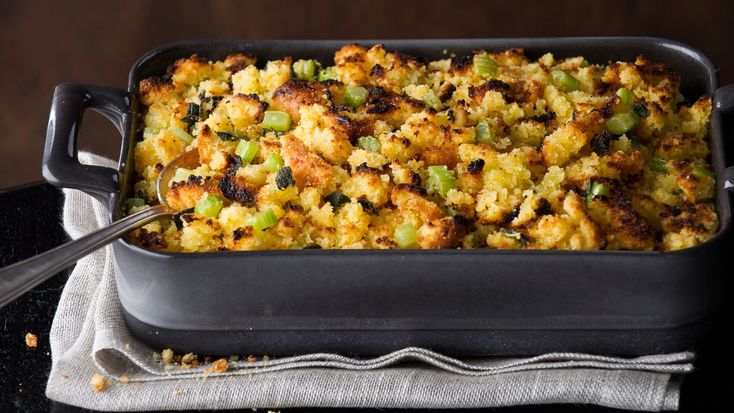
[
  {"x": 125, "y": 379},
  {"x": 31, "y": 340},
  {"x": 177, "y": 393},
  {"x": 251, "y": 358},
  {"x": 219, "y": 366},
  {"x": 234, "y": 359},
  {"x": 99, "y": 383},
  {"x": 167, "y": 356},
  {"x": 189, "y": 360},
  {"x": 266, "y": 358}
]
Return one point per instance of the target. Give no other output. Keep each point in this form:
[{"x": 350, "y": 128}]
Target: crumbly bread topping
[{"x": 386, "y": 150}]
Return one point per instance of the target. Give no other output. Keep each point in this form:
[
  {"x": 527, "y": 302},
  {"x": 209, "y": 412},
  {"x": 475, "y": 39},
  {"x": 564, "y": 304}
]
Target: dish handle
[
  {"x": 724, "y": 104},
  {"x": 61, "y": 166}
]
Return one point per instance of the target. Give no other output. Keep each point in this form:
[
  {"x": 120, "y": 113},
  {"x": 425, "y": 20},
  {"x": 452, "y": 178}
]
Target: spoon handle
[{"x": 18, "y": 278}]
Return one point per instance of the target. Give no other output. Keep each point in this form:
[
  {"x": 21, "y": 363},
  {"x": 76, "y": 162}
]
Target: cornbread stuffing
[{"x": 386, "y": 150}]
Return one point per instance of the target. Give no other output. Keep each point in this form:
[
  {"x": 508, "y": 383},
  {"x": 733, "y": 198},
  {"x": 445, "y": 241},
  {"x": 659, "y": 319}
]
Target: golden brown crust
[
  {"x": 183, "y": 195},
  {"x": 294, "y": 93},
  {"x": 238, "y": 61},
  {"x": 308, "y": 168},
  {"x": 524, "y": 152}
]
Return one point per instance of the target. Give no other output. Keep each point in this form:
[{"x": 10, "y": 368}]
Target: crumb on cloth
[
  {"x": 31, "y": 340},
  {"x": 99, "y": 383},
  {"x": 219, "y": 366}
]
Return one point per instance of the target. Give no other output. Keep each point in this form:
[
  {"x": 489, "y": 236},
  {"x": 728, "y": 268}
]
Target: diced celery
[
  {"x": 406, "y": 235},
  {"x": 261, "y": 220},
  {"x": 369, "y": 143},
  {"x": 431, "y": 100},
  {"x": 483, "y": 133},
  {"x": 622, "y": 123},
  {"x": 208, "y": 205},
  {"x": 658, "y": 165},
  {"x": 182, "y": 174},
  {"x": 182, "y": 134},
  {"x": 703, "y": 172},
  {"x": 564, "y": 81},
  {"x": 625, "y": 95},
  {"x": 327, "y": 74},
  {"x": 277, "y": 121},
  {"x": 246, "y": 150},
  {"x": 598, "y": 189},
  {"x": 440, "y": 180},
  {"x": 273, "y": 163},
  {"x": 355, "y": 95},
  {"x": 305, "y": 69},
  {"x": 484, "y": 65}
]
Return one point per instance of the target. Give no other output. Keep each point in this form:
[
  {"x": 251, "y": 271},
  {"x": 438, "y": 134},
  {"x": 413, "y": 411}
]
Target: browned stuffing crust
[{"x": 533, "y": 162}]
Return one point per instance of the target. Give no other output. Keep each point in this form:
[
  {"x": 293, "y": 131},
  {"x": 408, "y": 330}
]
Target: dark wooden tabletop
[{"x": 46, "y": 43}]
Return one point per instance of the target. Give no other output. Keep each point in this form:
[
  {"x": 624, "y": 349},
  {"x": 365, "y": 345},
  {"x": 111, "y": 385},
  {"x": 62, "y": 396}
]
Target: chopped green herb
[
  {"x": 640, "y": 109},
  {"x": 703, "y": 172},
  {"x": 475, "y": 166},
  {"x": 193, "y": 112},
  {"x": 516, "y": 235},
  {"x": 227, "y": 136},
  {"x": 284, "y": 178},
  {"x": 658, "y": 165},
  {"x": 336, "y": 199},
  {"x": 367, "y": 205},
  {"x": 600, "y": 143}
]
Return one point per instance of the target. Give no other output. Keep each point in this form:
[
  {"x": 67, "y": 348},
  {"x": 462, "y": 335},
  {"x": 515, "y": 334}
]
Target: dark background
[{"x": 46, "y": 43}]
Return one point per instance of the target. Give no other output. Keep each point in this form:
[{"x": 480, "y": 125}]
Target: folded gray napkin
[{"x": 89, "y": 337}]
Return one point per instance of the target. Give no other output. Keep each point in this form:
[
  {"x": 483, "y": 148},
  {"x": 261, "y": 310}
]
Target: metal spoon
[{"x": 19, "y": 278}]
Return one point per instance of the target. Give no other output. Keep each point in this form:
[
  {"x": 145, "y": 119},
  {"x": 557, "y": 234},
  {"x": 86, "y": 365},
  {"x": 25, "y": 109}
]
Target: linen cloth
[{"x": 89, "y": 336}]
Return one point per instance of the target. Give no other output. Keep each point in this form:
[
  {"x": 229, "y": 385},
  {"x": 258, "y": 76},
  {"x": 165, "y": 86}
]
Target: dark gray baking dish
[{"x": 463, "y": 302}]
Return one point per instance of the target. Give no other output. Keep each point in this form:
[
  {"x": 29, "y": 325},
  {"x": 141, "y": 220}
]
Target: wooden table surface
[{"x": 46, "y": 43}]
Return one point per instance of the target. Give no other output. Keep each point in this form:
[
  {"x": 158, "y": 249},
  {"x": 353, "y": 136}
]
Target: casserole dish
[{"x": 462, "y": 302}]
